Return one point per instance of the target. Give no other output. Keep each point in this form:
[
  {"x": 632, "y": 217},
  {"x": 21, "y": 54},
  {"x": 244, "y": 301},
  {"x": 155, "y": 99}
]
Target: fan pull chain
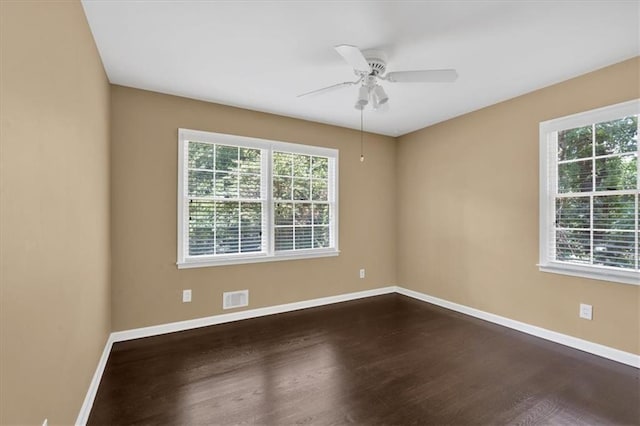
[{"x": 362, "y": 135}]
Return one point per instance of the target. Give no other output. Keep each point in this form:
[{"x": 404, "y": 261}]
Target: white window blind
[
  {"x": 589, "y": 190},
  {"x": 249, "y": 200}
]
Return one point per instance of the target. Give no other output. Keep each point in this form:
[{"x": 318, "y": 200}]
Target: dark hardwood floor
[{"x": 382, "y": 360}]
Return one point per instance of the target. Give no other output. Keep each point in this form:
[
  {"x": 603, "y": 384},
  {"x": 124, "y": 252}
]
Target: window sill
[
  {"x": 202, "y": 263},
  {"x": 592, "y": 272}
]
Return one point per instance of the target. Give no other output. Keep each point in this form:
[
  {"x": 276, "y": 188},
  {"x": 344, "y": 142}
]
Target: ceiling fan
[{"x": 370, "y": 66}]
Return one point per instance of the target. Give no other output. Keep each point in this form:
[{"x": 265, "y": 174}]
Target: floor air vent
[{"x": 235, "y": 299}]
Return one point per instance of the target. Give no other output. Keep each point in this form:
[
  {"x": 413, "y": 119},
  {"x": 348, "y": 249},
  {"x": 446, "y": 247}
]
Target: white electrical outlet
[
  {"x": 586, "y": 311},
  {"x": 186, "y": 296},
  {"x": 361, "y": 273}
]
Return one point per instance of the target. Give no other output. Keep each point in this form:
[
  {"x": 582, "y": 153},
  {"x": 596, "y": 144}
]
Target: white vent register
[{"x": 235, "y": 299}]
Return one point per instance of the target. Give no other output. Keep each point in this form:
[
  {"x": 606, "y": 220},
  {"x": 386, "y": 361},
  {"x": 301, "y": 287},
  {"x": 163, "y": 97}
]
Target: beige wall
[
  {"x": 146, "y": 284},
  {"x": 54, "y": 206},
  {"x": 464, "y": 195},
  {"x": 468, "y": 214}
]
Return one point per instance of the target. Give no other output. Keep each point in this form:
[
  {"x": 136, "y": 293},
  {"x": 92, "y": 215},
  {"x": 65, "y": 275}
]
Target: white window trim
[
  {"x": 184, "y": 261},
  {"x": 548, "y": 180}
]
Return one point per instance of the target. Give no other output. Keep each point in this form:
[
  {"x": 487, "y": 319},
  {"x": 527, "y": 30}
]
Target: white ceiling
[{"x": 260, "y": 54}]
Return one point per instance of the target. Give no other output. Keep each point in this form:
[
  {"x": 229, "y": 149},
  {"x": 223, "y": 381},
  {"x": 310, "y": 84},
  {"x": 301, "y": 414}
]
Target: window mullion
[
  {"x": 268, "y": 203},
  {"x": 591, "y": 229},
  {"x": 552, "y": 158},
  {"x": 239, "y": 221},
  {"x": 293, "y": 227},
  {"x": 637, "y": 199},
  {"x": 215, "y": 227},
  {"x": 593, "y": 188},
  {"x": 237, "y": 198},
  {"x": 637, "y": 215},
  {"x": 215, "y": 204}
]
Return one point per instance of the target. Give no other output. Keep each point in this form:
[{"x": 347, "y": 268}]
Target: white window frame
[
  {"x": 548, "y": 188},
  {"x": 267, "y": 147}
]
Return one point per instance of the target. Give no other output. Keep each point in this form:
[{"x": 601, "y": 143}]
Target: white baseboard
[
  {"x": 136, "y": 333},
  {"x": 85, "y": 410},
  {"x": 563, "y": 339},
  {"x": 573, "y": 342}
]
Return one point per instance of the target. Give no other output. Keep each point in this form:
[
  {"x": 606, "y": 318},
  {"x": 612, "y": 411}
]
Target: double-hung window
[
  {"x": 589, "y": 190},
  {"x": 243, "y": 200}
]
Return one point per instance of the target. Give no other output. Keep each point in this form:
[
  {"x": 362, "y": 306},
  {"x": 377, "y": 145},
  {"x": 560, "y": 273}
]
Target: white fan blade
[
  {"x": 423, "y": 76},
  {"x": 329, "y": 88},
  {"x": 354, "y": 57}
]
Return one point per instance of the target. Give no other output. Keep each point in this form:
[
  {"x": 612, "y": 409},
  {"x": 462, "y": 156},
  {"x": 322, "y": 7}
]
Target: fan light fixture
[
  {"x": 380, "y": 95},
  {"x": 363, "y": 98},
  {"x": 371, "y": 93}
]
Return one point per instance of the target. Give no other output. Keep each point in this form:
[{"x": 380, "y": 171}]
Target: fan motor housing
[
  {"x": 377, "y": 61},
  {"x": 378, "y": 66}
]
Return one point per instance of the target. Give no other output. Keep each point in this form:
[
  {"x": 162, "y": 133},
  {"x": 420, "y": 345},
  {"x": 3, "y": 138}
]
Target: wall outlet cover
[
  {"x": 586, "y": 311},
  {"x": 186, "y": 296}
]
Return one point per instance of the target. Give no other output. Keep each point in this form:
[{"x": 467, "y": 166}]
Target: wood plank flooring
[{"x": 382, "y": 360}]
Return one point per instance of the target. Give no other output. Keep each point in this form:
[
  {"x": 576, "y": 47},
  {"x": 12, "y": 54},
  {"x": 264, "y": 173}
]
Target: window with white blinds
[
  {"x": 244, "y": 200},
  {"x": 301, "y": 197},
  {"x": 589, "y": 191}
]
